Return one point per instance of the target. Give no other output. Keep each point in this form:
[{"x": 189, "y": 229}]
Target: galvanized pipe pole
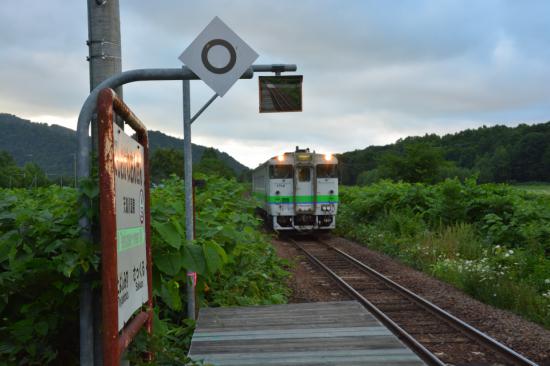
[{"x": 188, "y": 180}]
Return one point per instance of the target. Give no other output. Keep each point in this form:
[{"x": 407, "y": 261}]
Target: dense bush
[
  {"x": 42, "y": 256},
  {"x": 492, "y": 241}
]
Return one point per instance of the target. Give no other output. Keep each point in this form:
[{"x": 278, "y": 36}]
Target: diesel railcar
[{"x": 298, "y": 190}]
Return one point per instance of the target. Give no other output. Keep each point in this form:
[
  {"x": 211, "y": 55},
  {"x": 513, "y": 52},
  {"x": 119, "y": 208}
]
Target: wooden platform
[{"x": 330, "y": 333}]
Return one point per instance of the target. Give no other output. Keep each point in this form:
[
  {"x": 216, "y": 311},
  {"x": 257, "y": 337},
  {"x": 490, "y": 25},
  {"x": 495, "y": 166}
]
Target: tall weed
[{"x": 490, "y": 240}]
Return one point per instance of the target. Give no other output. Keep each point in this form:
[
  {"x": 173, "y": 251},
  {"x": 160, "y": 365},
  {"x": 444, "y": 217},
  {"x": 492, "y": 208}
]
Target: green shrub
[
  {"x": 42, "y": 258},
  {"x": 490, "y": 240}
]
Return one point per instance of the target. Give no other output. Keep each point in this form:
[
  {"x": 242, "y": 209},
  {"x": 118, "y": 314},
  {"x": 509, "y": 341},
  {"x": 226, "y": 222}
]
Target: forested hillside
[
  {"x": 495, "y": 154},
  {"x": 52, "y": 147}
]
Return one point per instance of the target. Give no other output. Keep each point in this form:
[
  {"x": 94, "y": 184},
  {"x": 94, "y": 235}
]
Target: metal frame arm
[{"x": 89, "y": 106}]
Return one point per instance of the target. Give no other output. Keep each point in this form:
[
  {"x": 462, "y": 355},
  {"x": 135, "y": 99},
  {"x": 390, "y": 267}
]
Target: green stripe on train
[{"x": 333, "y": 198}]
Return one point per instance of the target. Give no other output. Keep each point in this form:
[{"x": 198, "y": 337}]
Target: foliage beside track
[
  {"x": 42, "y": 257},
  {"x": 492, "y": 241}
]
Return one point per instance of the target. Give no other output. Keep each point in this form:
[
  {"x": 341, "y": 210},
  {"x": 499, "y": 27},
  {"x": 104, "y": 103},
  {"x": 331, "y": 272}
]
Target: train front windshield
[
  {"x": 327, "y": 171},
  {"x": 281, "y": 171}
]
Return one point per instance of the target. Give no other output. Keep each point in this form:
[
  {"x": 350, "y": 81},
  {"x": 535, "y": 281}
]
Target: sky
[{"x": 374, "y": 71}]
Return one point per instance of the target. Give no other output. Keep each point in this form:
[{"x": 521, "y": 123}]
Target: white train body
[{"x": 298, "y": 191}]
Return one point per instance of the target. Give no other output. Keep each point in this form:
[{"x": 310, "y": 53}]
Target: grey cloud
[{"x": 373, "y": 71}]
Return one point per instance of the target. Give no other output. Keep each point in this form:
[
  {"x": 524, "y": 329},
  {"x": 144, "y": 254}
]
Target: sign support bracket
[{"x": 199, "y": 112}]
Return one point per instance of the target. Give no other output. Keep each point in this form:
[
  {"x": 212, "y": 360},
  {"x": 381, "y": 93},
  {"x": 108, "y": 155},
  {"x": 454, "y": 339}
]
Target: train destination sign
[
  {"x": 280, "y": 93},
  {"x": 218, "y": 56},
  {"x": 130, "y": 225}
]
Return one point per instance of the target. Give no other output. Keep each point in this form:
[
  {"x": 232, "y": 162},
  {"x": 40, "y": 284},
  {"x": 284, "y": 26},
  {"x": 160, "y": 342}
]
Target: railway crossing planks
[{"x": 330, "y": 333}]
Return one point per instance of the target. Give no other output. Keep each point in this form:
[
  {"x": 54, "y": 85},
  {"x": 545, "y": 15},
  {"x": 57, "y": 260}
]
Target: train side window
[
  {"x": 280, "y": 171},
  {"x": 304, "y": 174},
  {"x": 327, "y": 171}
]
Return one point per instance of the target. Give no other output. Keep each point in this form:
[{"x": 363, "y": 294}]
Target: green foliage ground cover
[
  {"x": 42, "y": 257},
  {"x": 540, "y": 188},
  {"x": 492, "y": 241}
]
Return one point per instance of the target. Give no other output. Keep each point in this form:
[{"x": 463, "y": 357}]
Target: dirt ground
[{"x": 309, "y": 284}]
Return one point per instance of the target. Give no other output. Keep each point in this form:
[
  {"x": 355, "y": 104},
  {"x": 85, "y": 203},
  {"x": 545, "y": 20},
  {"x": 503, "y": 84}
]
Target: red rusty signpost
[{"x": 126, "y": 272}]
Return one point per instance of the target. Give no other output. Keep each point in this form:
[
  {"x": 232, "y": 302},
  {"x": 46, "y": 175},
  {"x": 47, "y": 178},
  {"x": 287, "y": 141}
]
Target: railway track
[{"x": 435, "y": 335}]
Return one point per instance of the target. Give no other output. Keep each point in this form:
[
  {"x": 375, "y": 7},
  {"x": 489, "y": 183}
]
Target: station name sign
[
  {"x": 130, "y": 225},
  {"x": 124, "y": 216}
]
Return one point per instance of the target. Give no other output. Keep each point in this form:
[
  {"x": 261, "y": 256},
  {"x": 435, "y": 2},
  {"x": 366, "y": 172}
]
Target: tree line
[
  {"x": 27, "y": 176},
  {"x": 167, "y": 161},
  {"x": 492, "y": 154},
  {"x": 163, "y": 162}
]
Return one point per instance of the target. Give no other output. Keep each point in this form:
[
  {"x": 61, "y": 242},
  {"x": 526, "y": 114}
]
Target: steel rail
[
  {"x": 416, "y": 346},
  {"x": 450, "y": 319}
]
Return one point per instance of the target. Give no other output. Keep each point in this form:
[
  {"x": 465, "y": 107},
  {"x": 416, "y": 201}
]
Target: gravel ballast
[{"x": 310, "y": 285}]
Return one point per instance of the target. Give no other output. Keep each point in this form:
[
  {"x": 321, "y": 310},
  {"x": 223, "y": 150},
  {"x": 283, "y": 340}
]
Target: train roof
[{"x": 303, "y": 155}]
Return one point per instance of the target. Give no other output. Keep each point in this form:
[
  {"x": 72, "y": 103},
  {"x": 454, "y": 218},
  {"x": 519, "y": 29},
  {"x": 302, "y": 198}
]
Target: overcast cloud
[{"x": 373, "y": 71}]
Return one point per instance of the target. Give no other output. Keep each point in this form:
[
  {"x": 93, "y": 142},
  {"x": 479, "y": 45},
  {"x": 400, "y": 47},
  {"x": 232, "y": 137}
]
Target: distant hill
[
  {"x": 52, "y": 147},
  {"x": 498, "y": 153}
]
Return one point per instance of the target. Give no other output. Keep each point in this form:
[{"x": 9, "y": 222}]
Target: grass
[{"x": 538, "y": 188}]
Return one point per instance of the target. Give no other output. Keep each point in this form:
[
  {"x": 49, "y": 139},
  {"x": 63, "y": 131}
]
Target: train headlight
[
  {"x": 327, "y": 208},
  {"x": 281, "y": 157},
  {"x": 328, "y": 156}
]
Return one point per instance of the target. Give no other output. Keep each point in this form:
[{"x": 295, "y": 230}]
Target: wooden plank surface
[{"x": 331, "y": 333}]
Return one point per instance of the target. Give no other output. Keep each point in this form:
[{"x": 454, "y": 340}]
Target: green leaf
[
  {"x": 215, "y": 256},
  {"x": 193, "y": 258},
  {"x": 89, "y": 188},
  {"x": 169, "y": 232},
  {"x": 41, "y": 328},
  {"x": 169, "y": 263},
  {"x": 170, "y": 295}
]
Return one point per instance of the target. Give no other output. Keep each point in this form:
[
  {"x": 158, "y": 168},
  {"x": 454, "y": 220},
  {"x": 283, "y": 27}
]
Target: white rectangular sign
[{"x": 130, "y": 223}]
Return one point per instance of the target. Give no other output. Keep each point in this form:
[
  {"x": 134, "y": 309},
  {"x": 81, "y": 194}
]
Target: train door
[{"x": 304, "y": 189}]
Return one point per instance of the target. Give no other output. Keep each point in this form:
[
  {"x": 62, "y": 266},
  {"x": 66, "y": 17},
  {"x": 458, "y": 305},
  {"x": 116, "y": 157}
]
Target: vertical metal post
[
  {"x": 86, "y": 322},
  {"x": 188, "y": 176}
]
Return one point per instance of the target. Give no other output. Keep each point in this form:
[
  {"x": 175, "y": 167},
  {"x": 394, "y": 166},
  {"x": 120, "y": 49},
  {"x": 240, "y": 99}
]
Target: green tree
[
  {"x": 528, "y": 157},
  {"x": 165, "y": 162},
  {"x": 419, "y": 162},
  {"x": 10, "y": 174},
  {"x": 546, "y": 164},
  {"x": 34, "y": 176},
  {"x": 500, "y": 163},
  {"x": 211, "y": 164},
  {"x": 368, "y": 177}
]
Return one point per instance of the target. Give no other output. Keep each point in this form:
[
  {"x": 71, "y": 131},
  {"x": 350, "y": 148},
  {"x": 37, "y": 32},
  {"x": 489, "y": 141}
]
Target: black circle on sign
[{"x": 228, "y": 47}]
